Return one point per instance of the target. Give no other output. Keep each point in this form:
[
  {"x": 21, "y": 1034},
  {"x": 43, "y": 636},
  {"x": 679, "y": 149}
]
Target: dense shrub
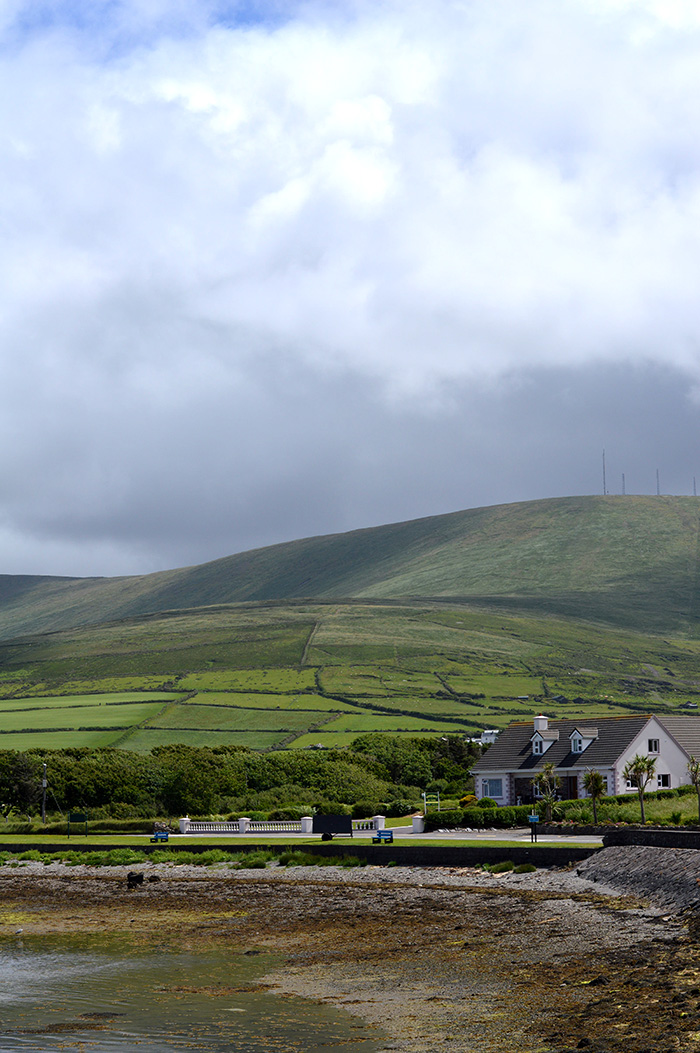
[
  {"x": 290, "y": 812},
  {"x": 332, "y": 808},
  {"x": 447, "y": 819},
  {"x": 501, "y": 868},
  {"x": 475, "y": 817},
  {"x": 176, "y": 780},
  {"x": 366, "y": 809},
  {"x": 487, "y": 802},
  {"x": 442, "y": 762},
  {"x": 399, "y": 807}
]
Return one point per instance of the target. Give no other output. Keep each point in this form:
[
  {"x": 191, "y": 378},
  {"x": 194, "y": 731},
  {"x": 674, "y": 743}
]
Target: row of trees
[
  {"x": 177, "y": 780},
  {"x": 639, "y": 772}
]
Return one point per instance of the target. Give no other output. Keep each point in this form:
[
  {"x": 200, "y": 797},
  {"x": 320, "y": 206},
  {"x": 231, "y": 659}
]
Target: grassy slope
[
  {"x": 564, "y": 597},
  {"x": 266, "y": 675},
  {"x": 628, "y": 561}
]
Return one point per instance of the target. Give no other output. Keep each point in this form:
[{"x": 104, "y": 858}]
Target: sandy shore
[{"x": 436, "y": 959}]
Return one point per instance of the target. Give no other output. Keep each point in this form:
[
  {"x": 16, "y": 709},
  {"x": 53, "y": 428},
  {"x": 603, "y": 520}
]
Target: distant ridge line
[{"x": 624, "y": 560}]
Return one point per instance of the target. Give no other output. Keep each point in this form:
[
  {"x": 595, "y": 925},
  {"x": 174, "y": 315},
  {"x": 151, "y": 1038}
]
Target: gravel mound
[{"x": 667, "y": 877}]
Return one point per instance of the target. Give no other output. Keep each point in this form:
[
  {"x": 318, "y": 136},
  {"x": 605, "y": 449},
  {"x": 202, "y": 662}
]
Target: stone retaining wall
[{"x": 667, "y": 877}]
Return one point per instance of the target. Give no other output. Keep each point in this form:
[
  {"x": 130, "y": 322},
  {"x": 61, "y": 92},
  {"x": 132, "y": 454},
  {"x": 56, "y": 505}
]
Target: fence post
[
  {"x": 244, "y": 825},
  {"x": 378, "y": 821},
  {"x": 184, "y": 824},
  {"x": 307, "y": 824}
]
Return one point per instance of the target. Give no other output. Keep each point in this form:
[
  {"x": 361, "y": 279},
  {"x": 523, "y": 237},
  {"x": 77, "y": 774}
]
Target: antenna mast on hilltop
[
  {"x": 623, "y": 484},
  {"x": 658, "y": 487},
  {"x": 605, "y": 490},
  {"x": 695, "y": 489}
]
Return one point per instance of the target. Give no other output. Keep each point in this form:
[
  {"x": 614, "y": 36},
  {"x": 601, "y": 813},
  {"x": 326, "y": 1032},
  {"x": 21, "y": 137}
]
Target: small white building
[{"x": 508, "y": 768}]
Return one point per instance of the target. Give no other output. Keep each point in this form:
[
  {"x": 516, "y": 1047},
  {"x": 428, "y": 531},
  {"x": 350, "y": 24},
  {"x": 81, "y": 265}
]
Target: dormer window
[
  {"x": 581, "y": 738},
  {"x": 537, "y": 746}
]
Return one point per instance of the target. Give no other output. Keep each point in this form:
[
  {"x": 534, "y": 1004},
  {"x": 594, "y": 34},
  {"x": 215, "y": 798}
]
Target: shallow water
[{"x": 101, "y": 995}]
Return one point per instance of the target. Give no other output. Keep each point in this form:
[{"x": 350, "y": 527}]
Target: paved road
[{"x": 405, "y": 835}]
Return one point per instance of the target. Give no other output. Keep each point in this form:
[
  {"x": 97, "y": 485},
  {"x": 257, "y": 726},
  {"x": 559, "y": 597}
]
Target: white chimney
[{"x": 541, "y": 722}]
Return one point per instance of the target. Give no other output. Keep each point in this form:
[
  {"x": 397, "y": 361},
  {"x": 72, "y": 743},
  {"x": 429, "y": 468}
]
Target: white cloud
[{"x": 414, "y": 197}]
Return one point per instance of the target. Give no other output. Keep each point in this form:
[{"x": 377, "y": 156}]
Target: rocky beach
[{"x": 601, "y": 958}]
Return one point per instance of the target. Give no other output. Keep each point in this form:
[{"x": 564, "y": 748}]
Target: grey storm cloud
[{"x": 277, "y": 270}]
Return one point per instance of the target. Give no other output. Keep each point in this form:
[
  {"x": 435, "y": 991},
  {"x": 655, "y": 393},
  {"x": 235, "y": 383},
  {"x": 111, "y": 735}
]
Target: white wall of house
[{"x": 671, "y": 760}]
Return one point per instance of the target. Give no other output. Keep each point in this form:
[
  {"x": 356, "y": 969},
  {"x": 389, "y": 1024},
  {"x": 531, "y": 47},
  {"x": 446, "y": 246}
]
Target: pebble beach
[{"x": 432, "y": 958}]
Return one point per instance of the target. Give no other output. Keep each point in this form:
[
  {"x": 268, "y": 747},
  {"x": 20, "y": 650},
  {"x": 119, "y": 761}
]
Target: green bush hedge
[{"x": 478, "y": 818}]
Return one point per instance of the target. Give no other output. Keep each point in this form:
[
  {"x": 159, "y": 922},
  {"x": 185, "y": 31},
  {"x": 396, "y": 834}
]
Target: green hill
[
  {"x": 300, "y": 674},
  {"x": 626, "y": 561}
]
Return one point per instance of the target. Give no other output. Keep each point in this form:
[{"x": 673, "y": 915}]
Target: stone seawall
[{"x": 667, "y": 877}]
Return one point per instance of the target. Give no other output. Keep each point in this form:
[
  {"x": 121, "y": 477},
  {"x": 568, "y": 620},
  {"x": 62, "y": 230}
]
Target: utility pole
[
  {"x": 658, "y": 487},
  {"x": 623, "y": 484},
  {"x": 695, "y": 489},
  {"x": 43, "y": 795},
  {"x": 605, "y": 489}
]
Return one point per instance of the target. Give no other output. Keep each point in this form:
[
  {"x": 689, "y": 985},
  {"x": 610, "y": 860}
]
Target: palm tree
[
  {"x": 547, "y": 783},
  {"x": 640, "y": 770},
  {"x": 594, "y": 785}
]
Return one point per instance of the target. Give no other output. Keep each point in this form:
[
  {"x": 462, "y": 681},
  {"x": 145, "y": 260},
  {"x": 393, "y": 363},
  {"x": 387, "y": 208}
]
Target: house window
[
  {"x": 663, "y": 782},
  {"x": 492, "y": 787},
  {"x": 653, "y": 746},
  {"x": 576, "y": 744},
  {"x": 537, "y": 746}
]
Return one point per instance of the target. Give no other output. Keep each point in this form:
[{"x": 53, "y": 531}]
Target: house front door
[
  {"x": 569, "y": 788},
  {"x": 522, "y": 789}
]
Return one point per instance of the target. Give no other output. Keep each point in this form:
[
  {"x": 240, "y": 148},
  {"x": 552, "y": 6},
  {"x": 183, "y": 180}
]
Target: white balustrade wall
[{"x": 244, "y": 825}]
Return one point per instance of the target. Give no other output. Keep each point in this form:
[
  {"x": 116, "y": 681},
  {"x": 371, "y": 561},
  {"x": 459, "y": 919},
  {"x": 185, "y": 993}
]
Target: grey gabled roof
[
  {"x": 512, "y": 750},
  {"x": 686, "y": 732}
]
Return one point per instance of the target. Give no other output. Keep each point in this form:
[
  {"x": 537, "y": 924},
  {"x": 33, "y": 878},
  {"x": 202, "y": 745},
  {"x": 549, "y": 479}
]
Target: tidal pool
[{"x": 100, "y": 994}]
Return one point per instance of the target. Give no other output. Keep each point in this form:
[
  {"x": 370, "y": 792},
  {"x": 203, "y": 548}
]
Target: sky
[{"x": 280, "y": 269}]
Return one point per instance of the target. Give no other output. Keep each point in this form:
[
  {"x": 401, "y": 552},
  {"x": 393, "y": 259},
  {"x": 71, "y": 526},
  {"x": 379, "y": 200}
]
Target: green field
[
  {"x": 468, "y": 671},
  {"x": 577, "y": 607},
  {"x": 230, "y": 718}
]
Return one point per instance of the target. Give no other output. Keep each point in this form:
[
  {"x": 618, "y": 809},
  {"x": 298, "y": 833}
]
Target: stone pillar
[
  {"x": 378, "y": 821},
  {"x": 184, "y": 824},
  {"x": 243, "y": 825},
  {"x": 307, "y": 824},
  {"x": 418, "y": 824}
]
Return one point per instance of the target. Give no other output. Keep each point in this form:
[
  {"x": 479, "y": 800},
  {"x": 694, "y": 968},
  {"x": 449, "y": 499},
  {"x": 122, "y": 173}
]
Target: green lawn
[{"x": 225, "y": 841}]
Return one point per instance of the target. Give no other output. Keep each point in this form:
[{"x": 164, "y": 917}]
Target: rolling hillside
[
  {"x": 303, "y": 674},
  {"x": 627, "y": 561}
]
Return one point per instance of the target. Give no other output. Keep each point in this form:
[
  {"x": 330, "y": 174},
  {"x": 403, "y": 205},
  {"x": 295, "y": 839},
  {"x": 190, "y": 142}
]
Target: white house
[{"x": 507, "y": 769}]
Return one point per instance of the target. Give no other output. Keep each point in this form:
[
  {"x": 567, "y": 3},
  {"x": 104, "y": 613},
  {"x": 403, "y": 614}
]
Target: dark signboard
[{"x": 332, "y": 824}]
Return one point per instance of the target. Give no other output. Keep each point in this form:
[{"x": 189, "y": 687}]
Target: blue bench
[
  {"x": 383, "y": 837},
  {"x": 161, "y": 835}
]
